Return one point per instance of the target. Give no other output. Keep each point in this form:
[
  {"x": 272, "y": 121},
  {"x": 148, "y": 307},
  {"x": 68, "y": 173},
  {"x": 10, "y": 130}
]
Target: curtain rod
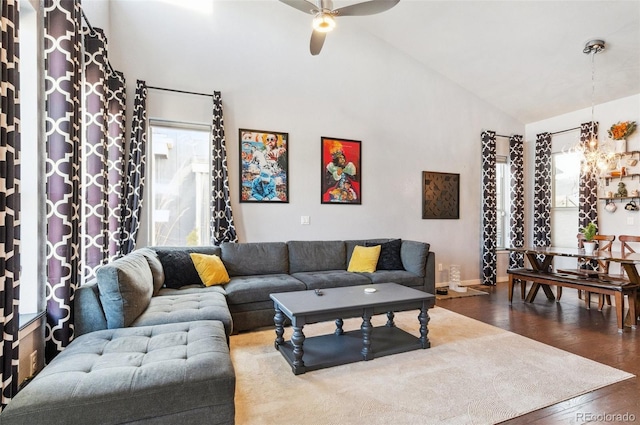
[
  {"x": 180, "y": 91},
  {"x": 86, "y": 21},
  {"x": 565, "y": 131}
]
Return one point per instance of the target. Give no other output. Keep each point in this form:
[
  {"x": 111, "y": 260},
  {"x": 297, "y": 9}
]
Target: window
[
  {"x": 502, "y": 202},
  {"x": 565, "y": 169},
  {"x": 180, "y": 181},
  {"x": 32, "y": 190}
]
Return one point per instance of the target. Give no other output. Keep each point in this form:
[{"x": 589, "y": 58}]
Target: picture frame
[
  {"x": 440, "y": 195},
  {"x": 341, "y": 171},
  {"x": 264, "y": 166}
]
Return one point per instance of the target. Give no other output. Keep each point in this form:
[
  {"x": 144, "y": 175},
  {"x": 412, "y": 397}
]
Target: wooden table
[
  {"x": 541, "y": 259},
  {"x": 341, "y": 347}
]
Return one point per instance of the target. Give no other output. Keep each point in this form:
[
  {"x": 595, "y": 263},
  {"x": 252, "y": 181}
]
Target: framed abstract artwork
[
  {"x": 264, "y": 166},
  {"x": 341, "y": 169},
  {"x": 440, "y": 195}
]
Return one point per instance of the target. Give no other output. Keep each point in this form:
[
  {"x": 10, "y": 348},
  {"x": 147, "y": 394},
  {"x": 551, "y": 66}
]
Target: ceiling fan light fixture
[{"x": 323, "y": 22}]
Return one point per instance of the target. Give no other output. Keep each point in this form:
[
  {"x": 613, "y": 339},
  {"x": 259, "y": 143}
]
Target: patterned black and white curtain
[
  {"x": 489, "y": 211},
  {"x": 9, "y": 197},
  {"x": 588, "y": 191},
  {"x": 134, "y": 186},
  {"x": 516, "y": 162},
  {"x": 63, "y": 46},
  {"x": 95, "y": 235},
  {"x": 542, "y": 191},
  {"x": 115, "y": 159},
  {"x": 222, "y": 227}
]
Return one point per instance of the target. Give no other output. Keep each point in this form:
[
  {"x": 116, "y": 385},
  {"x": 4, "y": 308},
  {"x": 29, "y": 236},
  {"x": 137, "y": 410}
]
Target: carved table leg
[
  {"x": 297, "y": 339},
  {"x": 339, "y": 324},
  {"x": 390, "y": 322},
  {"x": 366, "y": 337},
  {"x": 424, "y": 318},
  {"x": 279, "y": 322}
]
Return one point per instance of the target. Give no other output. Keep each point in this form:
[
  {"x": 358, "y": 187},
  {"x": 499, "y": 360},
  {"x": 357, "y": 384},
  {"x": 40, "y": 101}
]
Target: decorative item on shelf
[
  {"x": 609, "y": 194},
  {"x": 611, "y": 206},
  {"x": 631, "y": 206},
  {"x": 631, "y": 162},
  {"x": 635, "y": 193},
  {"x": 622, "y": 190},
  {"x": 589, "y": 231},
  {"x": 619, "y": 133}
]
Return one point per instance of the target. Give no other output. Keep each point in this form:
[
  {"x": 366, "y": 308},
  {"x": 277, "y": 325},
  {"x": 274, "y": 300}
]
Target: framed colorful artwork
[
  {"x": 341, "y": 171},
  {"x": 264, "y": 166},
  {"x": 440, "y": 195}
]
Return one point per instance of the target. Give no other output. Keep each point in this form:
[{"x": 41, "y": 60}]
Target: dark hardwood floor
[{"x": 570, "y": 326}]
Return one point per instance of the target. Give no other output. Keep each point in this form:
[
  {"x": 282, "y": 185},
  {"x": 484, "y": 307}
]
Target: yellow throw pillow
[
  {"x": 364, "y": 259},
  {"x": 210, "y": 269}
]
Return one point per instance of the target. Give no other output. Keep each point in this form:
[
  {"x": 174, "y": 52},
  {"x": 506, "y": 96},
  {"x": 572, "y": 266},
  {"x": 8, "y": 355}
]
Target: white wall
[
  {"x": 625, "y": 109},
  {"x": 408, "y": 118}
]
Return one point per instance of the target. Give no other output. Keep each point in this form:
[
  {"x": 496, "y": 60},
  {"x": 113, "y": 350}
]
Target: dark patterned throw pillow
[
  {"x": 389, "y": 255},
  {"x": 178, "y": 268}
]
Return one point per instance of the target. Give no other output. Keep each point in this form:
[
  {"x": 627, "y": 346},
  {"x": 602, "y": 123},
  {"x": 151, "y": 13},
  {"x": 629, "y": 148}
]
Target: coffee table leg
[
  {"x": 366, "y": 337},
  {"x": 297, "y": 339},
  {"x": 339, "y": 323},
  {"x": 278, "y": 319},
  {"x": 424, "y": 318},
  {"x": 390, "y": 322}
]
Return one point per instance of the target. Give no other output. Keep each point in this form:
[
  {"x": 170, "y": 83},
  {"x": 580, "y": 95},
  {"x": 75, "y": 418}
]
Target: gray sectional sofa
[{"x": 147, "y": 330}]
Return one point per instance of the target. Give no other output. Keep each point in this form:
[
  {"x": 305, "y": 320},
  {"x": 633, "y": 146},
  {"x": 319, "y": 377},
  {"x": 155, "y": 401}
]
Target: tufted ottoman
[{"x": 179, "y": 373}]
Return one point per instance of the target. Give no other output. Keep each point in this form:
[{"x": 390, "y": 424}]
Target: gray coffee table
[{"x": 304, "y": 307}]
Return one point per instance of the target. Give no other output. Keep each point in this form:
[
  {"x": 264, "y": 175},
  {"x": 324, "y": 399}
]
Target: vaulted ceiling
[{"x": 524, "y": 57}]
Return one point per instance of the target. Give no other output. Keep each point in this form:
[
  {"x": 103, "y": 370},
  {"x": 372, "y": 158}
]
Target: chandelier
[{"x": 596, "y": 158}]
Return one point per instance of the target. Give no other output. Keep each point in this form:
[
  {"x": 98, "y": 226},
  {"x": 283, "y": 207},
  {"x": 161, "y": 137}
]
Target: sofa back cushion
[
  {"x": 249, "y": 259},
  {"x": 126, "y": 287},
  {"x": 178, "y": 266},
  {"x": 157, "y": 271},
  {"x": 313, "y": 256},
  {"x": 414, "y": 256}
]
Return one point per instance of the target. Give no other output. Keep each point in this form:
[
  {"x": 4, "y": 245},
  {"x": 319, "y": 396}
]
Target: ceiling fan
[{"x": 324, "y": 21}]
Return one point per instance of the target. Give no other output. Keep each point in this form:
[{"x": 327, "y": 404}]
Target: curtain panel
[
  {"x": 115, "y": 159},
  {"x": 134, "y": 186},
  {"x": 9, "y": 197},
  {"x": 516, "y": 162},
  {"x": 95, "y": 235},
  {"x": 542, "y": 191},
  {"x": 489, "y": 208},
  {"x": 63, "y": 46},
  {"x": 588, "y": 186},
  {"x": 222, "y": 227}
]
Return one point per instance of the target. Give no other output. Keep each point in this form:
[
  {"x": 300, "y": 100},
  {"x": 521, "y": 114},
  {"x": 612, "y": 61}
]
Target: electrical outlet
[
  {"x": 33, "y": 363},
  {"x": 304, "y": 219},
  {"x": 439, "y": 267}
]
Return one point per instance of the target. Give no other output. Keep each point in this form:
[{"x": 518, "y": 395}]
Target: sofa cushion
[
  {"x": 191, "y": 289},
  {"x": 259, "y": 258},
  {"x": 401, "y": 277},
  {"x": 250, "y": 289},
  {"x": 126, "y": 287},
  {"x": 364, "y": 259},
  {"x": 168, "y": 374},
  {"x": 210, "y": 269},
  {"x": 414, "y": 256},
  {"x": 331, "y": 279},
  {"x": 389, "y": 255},
  {"x": 186, "y": 308},
  {"x": 156, "y": 268},
  {"x": 178, "y": 266},
  {"x": 310, "y": 256}
]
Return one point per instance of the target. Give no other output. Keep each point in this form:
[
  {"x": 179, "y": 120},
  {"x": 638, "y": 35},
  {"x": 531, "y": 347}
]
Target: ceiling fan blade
[
  {"x": 302, "y": 5},
  {"x": 317, "y": 40},
  {"x": 367, "y": 8}
]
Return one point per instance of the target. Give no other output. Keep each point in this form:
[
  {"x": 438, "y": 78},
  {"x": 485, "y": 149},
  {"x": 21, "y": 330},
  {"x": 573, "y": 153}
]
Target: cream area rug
[{"x": 473, "y": 373}]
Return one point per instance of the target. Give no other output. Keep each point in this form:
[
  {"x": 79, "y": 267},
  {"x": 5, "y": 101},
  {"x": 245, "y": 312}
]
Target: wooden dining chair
[
  {"x": 625, "y": 248},
  {"x": 605, "y": 243}
]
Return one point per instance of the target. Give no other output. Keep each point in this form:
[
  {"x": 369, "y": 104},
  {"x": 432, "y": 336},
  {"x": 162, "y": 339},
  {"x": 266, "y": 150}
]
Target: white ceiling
[{"x": 524, "y": 57}]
